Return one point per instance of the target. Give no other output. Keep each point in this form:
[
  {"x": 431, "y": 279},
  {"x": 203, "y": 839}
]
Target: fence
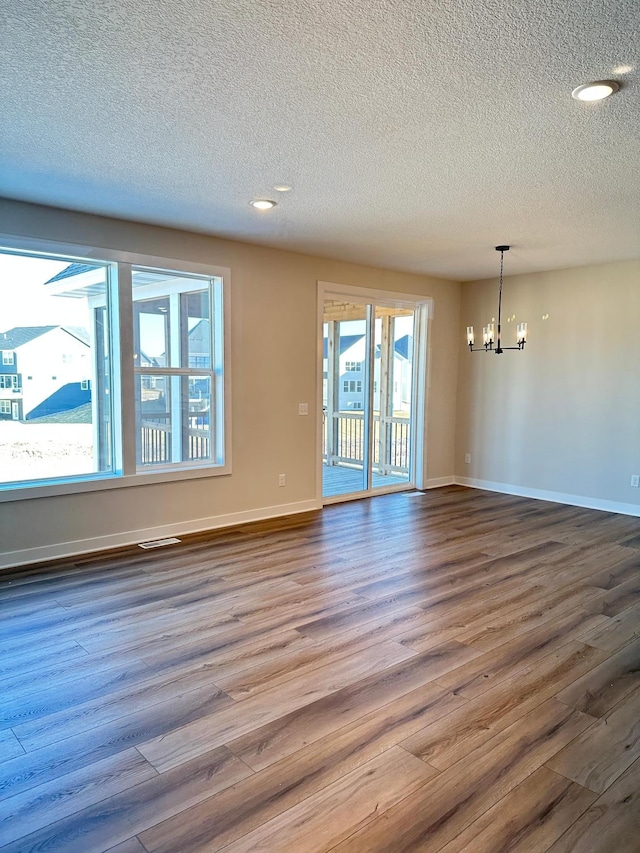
[
  {"x": 390, "y": 441},
  {"x": 155, "y": 444}
]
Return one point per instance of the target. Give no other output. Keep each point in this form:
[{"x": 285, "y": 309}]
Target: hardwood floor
[{"x": 453, "y": 672}]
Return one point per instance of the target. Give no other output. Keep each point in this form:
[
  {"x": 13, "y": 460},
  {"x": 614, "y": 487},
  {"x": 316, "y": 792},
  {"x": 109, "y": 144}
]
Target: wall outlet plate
[
  {"x": 467, "y": 458},
  {"x": 635, "y": 481}
]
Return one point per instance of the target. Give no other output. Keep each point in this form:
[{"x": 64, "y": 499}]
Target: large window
[{"x": 126, "y": 374}]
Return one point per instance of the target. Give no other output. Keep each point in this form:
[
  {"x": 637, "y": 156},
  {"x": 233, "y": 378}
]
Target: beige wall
[
  {"x": 274, "y": 349},
  {"x": 563, "y": 416}
]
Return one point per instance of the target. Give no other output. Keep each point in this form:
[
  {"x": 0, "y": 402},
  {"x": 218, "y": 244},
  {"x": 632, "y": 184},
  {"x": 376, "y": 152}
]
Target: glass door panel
[
  {"x": 392, "y": 396},
  {"x": 345, "y": 412}
]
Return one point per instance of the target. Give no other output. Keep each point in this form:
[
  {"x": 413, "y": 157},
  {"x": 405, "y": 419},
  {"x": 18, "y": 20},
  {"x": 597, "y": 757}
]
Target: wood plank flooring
[{"x": 452, "y": 672}]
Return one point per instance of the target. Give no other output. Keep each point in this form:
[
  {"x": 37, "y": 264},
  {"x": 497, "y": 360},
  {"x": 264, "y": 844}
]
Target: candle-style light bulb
[
  {"x": 470, "y": 336},
  {"x": 521, "y": 334},
  {"x": 490, "y": 332}
]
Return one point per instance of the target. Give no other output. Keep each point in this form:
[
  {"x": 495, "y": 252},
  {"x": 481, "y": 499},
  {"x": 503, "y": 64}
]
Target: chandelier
[{"x": 488, "y": 332}]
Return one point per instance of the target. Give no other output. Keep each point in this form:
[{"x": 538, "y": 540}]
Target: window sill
[{"x": 101, "y": 482}]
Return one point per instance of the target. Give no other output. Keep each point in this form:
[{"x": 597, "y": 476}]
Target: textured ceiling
[{"x": 416, "y": 134}]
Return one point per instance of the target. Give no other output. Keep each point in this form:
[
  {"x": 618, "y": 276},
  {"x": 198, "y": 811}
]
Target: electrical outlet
[
  {"x": 467, "y": 458},
  {"x": 282, "y": 480},
  {"x": 303, "y": 408},
  {"x": 635, "y": 481}
]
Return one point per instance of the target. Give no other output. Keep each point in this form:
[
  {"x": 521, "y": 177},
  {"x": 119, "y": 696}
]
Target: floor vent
[{"x": 159, "y": 543}]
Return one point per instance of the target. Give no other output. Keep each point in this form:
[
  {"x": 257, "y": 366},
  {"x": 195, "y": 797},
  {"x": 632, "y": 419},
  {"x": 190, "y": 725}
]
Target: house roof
[
  {"x": 404, "y": 345},
  {"x": 346, "y": 342},
  {"x": 21, "y": 335},
  {"x": 416, "y": 135},
  {"x": 71, "y": 270}
]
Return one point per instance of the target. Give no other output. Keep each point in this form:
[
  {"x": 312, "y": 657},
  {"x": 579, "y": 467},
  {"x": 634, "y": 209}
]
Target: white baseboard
[
  {"x": 77, "y": 547},
  {"x": 132, "y": 537},
  {"x": 438, "y": 482},
  {"x": 554, "y": 497}
]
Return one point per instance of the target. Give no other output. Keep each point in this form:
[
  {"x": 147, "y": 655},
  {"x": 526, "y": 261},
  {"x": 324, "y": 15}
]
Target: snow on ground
[{"x": 38, "y": 451}]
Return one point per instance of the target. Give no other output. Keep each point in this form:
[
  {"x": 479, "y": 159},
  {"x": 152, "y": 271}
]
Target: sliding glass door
[{"x": 368, "y": 397}]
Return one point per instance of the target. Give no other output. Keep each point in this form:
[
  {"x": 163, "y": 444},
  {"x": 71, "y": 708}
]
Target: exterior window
[
  {"x": 61, "y": 310},
  {"x": 353, "y": 366},
  {"x": 178, "y": 358},
  {"x": 11, "y": 380},
  {"x": 345, "y": 386}
]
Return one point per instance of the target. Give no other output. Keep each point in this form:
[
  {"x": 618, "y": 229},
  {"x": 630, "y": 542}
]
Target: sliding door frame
[{"x": 423, "y": 312}]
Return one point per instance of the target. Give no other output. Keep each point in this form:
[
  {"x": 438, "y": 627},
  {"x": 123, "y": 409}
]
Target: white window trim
[{"x": 124, "y": 415}]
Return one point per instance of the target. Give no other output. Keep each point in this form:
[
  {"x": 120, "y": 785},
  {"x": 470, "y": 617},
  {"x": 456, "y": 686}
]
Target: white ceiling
[{"x": 416, "y": 134}]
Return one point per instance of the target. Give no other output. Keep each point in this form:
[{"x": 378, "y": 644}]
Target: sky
[{"x": 24, "y": 300}]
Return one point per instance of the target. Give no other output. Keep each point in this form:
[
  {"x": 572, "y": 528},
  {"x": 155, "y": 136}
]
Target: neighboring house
[
  {"x": 44, "y": 370},
  {"x": 350, "y": 371},
  {"x": 402, "y": 374},
  {"x": 351, "y": 378},
  {"x": 199, "y": 349}
]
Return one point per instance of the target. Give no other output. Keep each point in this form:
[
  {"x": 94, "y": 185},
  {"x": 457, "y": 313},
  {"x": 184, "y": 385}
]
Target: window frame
[
  {"x": 177, "y": 350},
  {"x": 125, "y": 473}
]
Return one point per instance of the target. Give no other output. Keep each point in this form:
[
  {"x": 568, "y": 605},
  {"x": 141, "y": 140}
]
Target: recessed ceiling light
[
  {"x": 282, "y": 188},
  {"x": 595, "y": 91},
  {"x": 262, "y": 203}
]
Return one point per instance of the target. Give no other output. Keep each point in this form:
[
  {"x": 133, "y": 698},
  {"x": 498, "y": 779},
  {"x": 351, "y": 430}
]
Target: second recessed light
[
  {"x": 595, "y": 91},
  {"x": 262, "y": 203}
]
